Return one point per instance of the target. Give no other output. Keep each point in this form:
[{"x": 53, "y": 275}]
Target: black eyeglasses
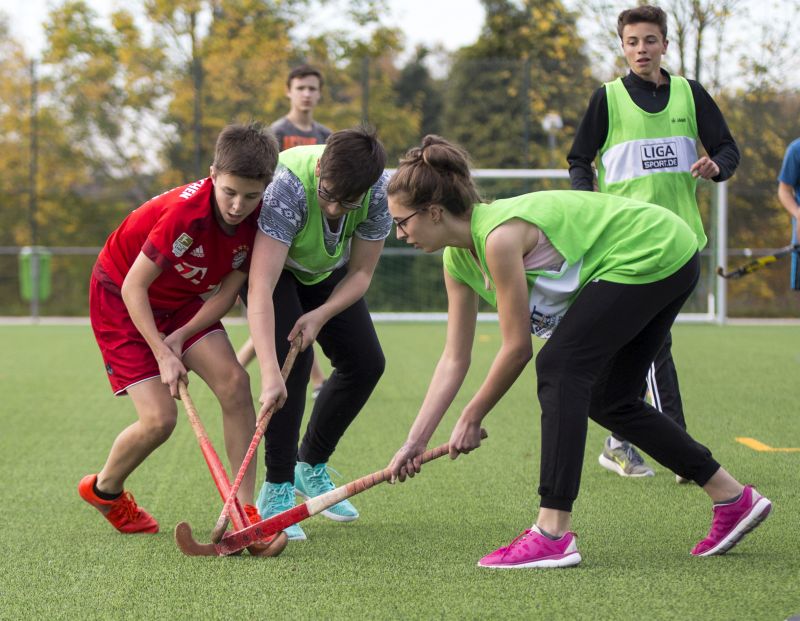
[
  {"x": 400, "y": 223},
  {"x": 328, "y": 197}
]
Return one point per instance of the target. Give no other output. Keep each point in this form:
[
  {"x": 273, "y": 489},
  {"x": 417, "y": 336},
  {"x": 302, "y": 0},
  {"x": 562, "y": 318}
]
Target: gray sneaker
[{"x": 624, "y": 460}]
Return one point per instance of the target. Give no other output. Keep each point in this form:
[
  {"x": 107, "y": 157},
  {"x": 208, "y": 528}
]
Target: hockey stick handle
[
  {"x": 261, "y": 427},
  {"x": 215, "y": 466},
  {"x": 233, "y": 542}
]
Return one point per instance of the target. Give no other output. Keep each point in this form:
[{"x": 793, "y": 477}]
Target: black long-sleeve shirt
[{"x": 712, "y": 129}]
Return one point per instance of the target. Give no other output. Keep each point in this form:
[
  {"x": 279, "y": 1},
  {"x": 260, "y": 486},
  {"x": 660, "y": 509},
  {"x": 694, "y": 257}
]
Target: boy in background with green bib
[
  {"x": 644, "y": 128},
  {"x": 321, "y": 233}
]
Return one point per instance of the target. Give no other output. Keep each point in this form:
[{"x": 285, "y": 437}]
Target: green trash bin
[{"x": 27, "y": 257}]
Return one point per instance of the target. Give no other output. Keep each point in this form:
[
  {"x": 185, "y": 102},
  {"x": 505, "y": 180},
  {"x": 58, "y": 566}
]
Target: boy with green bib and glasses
[
  {"x": 321, "y": 233},
  {"x": 644, "y": 128}
]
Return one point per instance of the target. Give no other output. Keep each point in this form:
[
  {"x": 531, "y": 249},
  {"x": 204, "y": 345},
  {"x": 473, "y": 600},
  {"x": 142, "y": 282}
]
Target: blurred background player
[
  {"x": 602, "y": 278},
  {"x": 298, "y": 128},
  {"x": 304, "y": 89},
  {"x": 321, "y": 233},
  {"x": 644, "y": 127},
  {"x": 788, "y": 194},
  {"x": 159, "y": 288}
]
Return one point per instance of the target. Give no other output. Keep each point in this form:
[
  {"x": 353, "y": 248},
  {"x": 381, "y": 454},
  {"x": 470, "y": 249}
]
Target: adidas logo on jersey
[{"x": 198, "y": 252}]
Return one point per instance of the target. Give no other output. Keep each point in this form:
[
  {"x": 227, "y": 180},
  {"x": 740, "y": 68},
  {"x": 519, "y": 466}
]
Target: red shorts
[{"x": 126, "y": 355}]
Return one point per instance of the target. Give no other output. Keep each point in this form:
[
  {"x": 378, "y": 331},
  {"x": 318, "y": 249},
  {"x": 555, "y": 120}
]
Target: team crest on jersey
[
  {"x": 659, "y": 155},
  {"x": 239, "y": 255},
  {"x": 198, "y": 252},
  {"x": 181, "y": 245}
]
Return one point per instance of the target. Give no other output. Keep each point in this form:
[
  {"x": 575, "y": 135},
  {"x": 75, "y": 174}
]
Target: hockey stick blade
[{"x": 191, "y": 547}]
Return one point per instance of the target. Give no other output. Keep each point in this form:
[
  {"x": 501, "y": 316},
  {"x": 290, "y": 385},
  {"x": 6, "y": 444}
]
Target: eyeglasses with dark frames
[
  {"x": 328, "y": 197},
  {"x": 400, "y": 224}
]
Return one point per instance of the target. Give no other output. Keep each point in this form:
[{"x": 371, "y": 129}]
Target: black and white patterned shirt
[{"x": 285, "y": 212}]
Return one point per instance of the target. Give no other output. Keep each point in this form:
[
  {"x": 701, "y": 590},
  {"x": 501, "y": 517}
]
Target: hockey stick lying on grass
[
  {"x": 220, "y": 476},
  {"x": 261, "y": 426},
  {"x": 757, "y": 264},
  {"x": 235, "y": 541}
]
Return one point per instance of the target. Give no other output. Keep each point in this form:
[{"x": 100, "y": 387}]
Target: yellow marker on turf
[{"x": 760, "y": 446}]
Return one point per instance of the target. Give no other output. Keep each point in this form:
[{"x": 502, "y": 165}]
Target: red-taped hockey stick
[
  {"x": 261, "y": 427},
  {"x": 235, "y": 541},
  {"x": 220, "y": 476}
]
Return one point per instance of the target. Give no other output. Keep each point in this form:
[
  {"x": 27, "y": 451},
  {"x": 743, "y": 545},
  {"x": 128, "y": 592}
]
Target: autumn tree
[
  {"x": 526, "y": 63},
  {"x": 107, "y": 82},
  {"x": 15, "y": 145}
]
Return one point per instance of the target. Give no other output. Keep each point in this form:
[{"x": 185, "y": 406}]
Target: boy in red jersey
[{"x": 160, "y": 286}]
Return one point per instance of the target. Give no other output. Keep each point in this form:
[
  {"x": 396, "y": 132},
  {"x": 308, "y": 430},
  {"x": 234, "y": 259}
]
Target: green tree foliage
[
  {"x": 526, "y": 63},
  {"x": 228, "y": 61},
  {"x": 417, "y": 90},
  {"x": 15, "y": 90}
]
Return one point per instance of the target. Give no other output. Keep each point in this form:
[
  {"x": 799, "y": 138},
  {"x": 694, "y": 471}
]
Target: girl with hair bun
[{"x": 602, "y": 278}]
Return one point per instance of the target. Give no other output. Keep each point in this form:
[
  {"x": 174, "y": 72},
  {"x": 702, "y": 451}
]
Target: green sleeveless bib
[
  {"x": 600, "y": 236},
  {"x": 647, "y": 156},
  {"x": 308, "y": 258}
]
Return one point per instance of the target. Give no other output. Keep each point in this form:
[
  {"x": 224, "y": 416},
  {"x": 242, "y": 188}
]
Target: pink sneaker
[
  {"x": 532, "y": 549},
  {"x": 733, "y": 521}
]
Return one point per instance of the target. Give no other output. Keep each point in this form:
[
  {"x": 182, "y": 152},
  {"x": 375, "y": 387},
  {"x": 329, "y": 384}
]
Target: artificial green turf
[{"x": 412, "y": 554}]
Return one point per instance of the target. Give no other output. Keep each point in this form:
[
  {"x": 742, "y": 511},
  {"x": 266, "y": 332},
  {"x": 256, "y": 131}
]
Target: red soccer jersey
[{"x": 179, "y": 232}]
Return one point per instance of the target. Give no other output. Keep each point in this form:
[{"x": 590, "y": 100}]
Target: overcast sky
[{"x": 453, "y": 23}]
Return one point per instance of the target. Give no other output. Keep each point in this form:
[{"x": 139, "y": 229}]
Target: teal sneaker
[
  {"x": 310, "y": 481},
  {"x": 276, "y": 498}
]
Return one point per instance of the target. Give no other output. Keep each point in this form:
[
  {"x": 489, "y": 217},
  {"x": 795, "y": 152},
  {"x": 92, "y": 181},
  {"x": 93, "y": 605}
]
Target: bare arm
[
  {"x": 462, "y": 311},
  {"x": 269, "y": 256},
  {"x": 505, "y": 247},
  {"x": 134, "y": 293},
  {"x": 789, "y": 201},
  {"x": 213, "y": 309}
]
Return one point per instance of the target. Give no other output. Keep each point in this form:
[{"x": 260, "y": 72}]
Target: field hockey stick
[
  {"x": 261, "y": 427},
  {"x": 220, "y": 476},
  {"x": 238, "y": 540},
  {"x": 757, "y": 264}
]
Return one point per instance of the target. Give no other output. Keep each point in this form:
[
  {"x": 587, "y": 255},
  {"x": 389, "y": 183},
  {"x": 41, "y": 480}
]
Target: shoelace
[
  {"x": 281, "y": 499},
  {"x": 722, "y": 521},
  {"x": 633, "y": 455},
  {"x": 320, "y": 478},
  {"x": 522, "y": 536},
  {"x": 125, "y": 507}
]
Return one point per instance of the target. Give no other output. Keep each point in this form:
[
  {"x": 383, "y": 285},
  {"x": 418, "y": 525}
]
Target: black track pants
[
  {"x": 662, "y": 382},
  {"x": 594, "y": 366}
]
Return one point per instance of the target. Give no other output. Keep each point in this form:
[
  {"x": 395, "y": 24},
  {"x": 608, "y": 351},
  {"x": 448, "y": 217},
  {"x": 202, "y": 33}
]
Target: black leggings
[
  {"x": 351, "y": 344},
  {"x": 594, "y": 366}
]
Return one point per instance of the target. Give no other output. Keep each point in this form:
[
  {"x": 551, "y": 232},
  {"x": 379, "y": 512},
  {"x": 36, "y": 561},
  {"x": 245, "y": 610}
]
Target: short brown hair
[
  {"x": 644, "y": 13},
  {"x": 248, "y": 151},
  {"x": 301, "y": 72},
  {"x": 352, "y": 162}
]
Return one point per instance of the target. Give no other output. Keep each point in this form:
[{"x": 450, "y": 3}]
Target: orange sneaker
[
  {"x": 252, "y": 514},
  {"x": 123, "y": 512}
]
